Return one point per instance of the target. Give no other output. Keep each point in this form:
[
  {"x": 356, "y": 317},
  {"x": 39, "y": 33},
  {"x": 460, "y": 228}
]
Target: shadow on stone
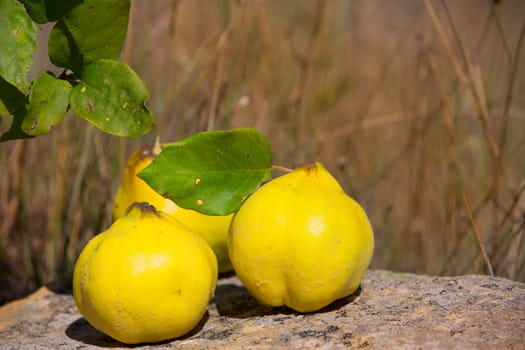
[
  {"x": 339, "y": 303},
  {"x": 197, "y": 328},
  {"x": 236, "y": 302},
  {"x": 225, "y": 275},
  {"x": 62, "y": 285},
  {"x": 82, "y": 331}
]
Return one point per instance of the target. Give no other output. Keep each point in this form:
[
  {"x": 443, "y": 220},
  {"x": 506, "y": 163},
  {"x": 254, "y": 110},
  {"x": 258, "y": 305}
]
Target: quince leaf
[
  {"x": 112, "y": 96},
  {"x": 10, "y": 98},
  {"x": 63, "y": 50},
  {"x": 211, "y": 172},
  {"x": 89, "y": 30},
  {"x": 48, "y": 103},
  {"x": 18, "y": 41},
  {"x": 15, "y": 132},
  {"x": 42, "y": 11}
]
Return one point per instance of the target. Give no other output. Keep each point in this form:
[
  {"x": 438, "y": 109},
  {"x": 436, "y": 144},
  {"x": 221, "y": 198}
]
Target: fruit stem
[
  {"x": 157, "y": 148},
  {"x": 144, "y": 207},
  {"x": 281, "y": 168}
]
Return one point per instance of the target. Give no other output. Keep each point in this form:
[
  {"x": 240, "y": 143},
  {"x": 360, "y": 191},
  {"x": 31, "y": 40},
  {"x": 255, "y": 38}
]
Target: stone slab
[{"x": 390, "y": 311}]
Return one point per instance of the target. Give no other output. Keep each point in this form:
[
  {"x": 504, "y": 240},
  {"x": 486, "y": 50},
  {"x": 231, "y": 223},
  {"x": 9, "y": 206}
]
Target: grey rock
[{"x": 390, "y": 311}]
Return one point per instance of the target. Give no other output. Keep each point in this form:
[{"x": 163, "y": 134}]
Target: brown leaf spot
[{"x": 90, "y": 105}]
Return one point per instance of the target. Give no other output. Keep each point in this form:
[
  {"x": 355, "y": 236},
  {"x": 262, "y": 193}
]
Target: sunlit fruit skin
[
  {"x": 214, "y": 229},
  {"x": 300, "y": 241},
  {"x": 146, "y": 279}
]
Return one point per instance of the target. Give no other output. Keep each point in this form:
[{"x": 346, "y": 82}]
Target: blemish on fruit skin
[
  {"x": 311, "y": 168},
  {"x": 200, "y": 201}
]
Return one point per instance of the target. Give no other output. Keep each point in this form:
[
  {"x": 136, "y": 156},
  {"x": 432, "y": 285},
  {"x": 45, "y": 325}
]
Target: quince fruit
[
  {"x": 300, "y": 241},
  {"x": 214, "y": 229},
  {"x": 147, "y": 278}
]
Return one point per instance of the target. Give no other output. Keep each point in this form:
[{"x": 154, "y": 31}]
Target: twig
[
  {"x": 220, "y": 48},
  {"x": 368, "y": 123},
  {"x": 73, "y": 203},
  {"x": 475, "y": 88},
  {"x": 500, "y": 32},
  {"x": 471, "y": 90},
  {"x": 281, "y": 168},
  {"x": 513, "y": 205},
  {"x": 506, "y": 109},
  {"x": 476, "y": 233},
  {"x": 10, "y": 186},
  {"x": 520, "y": 264},
  {"x": 307, "y": 71}
]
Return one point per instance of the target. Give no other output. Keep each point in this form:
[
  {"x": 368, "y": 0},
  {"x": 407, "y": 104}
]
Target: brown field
[{"x": 416, "y": 107}]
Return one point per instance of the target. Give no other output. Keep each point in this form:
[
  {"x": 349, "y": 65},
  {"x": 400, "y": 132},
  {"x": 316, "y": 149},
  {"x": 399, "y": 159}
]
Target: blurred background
[{"x": 416, "y": 107}]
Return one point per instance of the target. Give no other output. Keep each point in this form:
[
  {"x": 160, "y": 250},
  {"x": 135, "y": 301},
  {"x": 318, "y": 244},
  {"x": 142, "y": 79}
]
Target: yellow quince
[
  {"x": 147, "y": 278},
  {"x": 301, "y": 241}
]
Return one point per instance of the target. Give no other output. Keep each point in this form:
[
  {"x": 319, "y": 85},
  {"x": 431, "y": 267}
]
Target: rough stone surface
[{"x": 390, "y": 311}]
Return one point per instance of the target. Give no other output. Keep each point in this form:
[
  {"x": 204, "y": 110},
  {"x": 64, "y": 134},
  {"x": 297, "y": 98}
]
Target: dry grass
[{"x": 418, "y": 108}]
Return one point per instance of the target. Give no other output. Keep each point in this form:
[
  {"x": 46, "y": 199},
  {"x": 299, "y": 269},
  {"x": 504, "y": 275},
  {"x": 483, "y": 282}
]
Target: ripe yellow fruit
[
  {"x": 146, "y": 279},
  {"x": 300, "y": 241},
  {"x": 133, "y": 189},
  {"x": 214, "y": 229}
]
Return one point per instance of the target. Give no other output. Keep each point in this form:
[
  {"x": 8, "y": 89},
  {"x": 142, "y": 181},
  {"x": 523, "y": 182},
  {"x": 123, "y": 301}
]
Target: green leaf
[
  {"x": 92, "y": 30},
  {"x": 36, "y": 9},
  {"x": 15, "y": 131},
  {"x": 112, "y": 96},
  {"x": 43, "y": 11},
  {"x": 17, "y": 42},
  {"x": 48, "y": 104},
  {"x": 10, "y": 98},
  {"x": 211, "y": 172},
  {"x": 63, "y": 51}
]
